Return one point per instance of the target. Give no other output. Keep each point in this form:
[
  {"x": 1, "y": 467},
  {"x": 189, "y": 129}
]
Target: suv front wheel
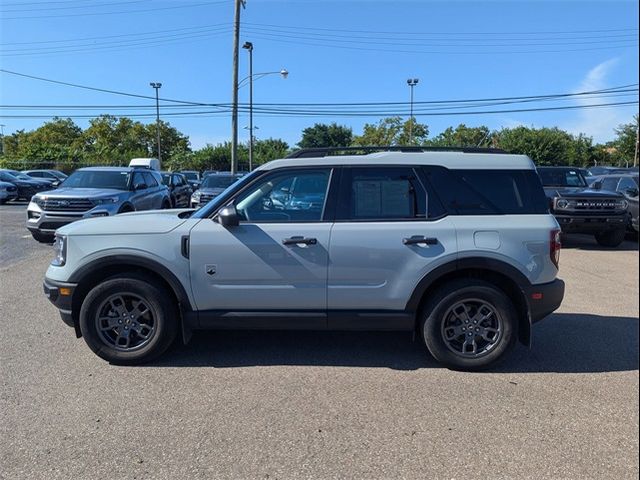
[
  {"x": 128, "y": 320},
  {"x": 469, "y": 324}
]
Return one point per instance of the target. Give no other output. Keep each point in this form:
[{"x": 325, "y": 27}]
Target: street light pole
[
  {"x": 2, "y": 125},
  {"x": 157, "y": 86},
  {"x": 249, "y": 47},
  {"x": 412, "y": 82}
]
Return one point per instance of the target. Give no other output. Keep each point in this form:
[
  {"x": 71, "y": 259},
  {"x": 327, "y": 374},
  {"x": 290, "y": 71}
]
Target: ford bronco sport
[{"x": 456, "y": 246}]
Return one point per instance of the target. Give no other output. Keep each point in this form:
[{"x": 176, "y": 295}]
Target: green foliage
[
  {"x": 547, "y": 146},
  {"x": 463, "y": 136},
  {"x": 392, "y": 131},
  {"x": 323, "y": 135},
  {"x": 625, "y": 142}
]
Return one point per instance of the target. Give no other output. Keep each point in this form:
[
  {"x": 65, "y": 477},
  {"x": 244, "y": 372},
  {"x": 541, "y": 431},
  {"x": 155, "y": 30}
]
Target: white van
[{"x": 151, "y": 163}]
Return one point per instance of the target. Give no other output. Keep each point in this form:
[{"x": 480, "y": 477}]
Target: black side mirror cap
[
  {"x": 228, "y": 217},
  {"x": 140, "y": 186}
]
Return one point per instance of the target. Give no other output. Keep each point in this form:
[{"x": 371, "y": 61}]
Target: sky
[{"x": 336, "y": 52}]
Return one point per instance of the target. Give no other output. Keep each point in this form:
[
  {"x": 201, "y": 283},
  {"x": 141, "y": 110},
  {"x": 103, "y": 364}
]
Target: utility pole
[
  {"x": 2, "y": 125},
  {"x": 635, "y": 155},
  {"x": 234, "y": 101},
  {"x": 249, "y": 47},
  {"x": 412, "y": 82},
  {"x": 157, "y": 86}
]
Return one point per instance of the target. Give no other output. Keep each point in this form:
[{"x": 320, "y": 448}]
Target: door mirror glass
[
  {"x": 140, "y": 186},
  {"x": 631, "y": 192},
  {"x": 228, "y": 217}
]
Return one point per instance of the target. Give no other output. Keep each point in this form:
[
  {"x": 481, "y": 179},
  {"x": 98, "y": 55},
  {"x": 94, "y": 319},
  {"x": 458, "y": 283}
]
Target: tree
[
  {"x": 625, "y": 141},
  {"x": 545, "y": 146},
  {"x": 323, "y": 135},
  {"x": 269, "y": 149},
  {"x": 56, "y": 144},
  {"x": 463, "y": 136},
  {"x": 392, "y": 131}
]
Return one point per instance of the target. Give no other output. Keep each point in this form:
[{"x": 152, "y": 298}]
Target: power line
[
  {"x": 118, "y": 12},
  {"x": 90, "y": 5},
  {"x": 338, "y": 114},
  {"x": 114, "y": 92}
]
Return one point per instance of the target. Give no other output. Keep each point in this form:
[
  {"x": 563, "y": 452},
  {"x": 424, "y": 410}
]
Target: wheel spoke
[
  {"x": 118, "y": 306},
  {"x": 139, "y": 310},
  {"x": 108, "y": 323},
  {"x": 470, "y": 340},
  {"x": 143, "y": 330},
  {"x": 489, "y": 334},
  {"x": 453, "y": 332},
  {"x": 123, "y": 338}
]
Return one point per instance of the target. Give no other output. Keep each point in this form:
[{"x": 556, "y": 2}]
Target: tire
[
  {"x": 166, "y": 204},
  {"x": 126, "y": 209},
  {"x": 450, "y": 312},
  {"x": 114, "y": 327},
  {"x": 610, "y": 238},
  {"x": 42, "y": 237}
]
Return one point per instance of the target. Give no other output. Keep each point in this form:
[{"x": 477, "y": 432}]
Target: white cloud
[{"x": 597, "y": 122}]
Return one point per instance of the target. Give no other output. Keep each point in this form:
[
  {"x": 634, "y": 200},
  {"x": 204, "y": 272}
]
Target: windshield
[
  {"x": 190, "y": 175},
  {"x": 58, "y": 175},
  {"x": 7, "y": 177},
  {"x": 552, "y": 177},
  {"x": 221, "y": 199},
  {"x": 166, "y": 178},
  {"x": 98, "y": 179},
  {"x": 218, "y": 181}
]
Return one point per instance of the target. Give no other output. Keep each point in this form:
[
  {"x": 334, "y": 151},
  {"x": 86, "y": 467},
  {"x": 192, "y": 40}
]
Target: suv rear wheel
[
  {"x": 469, "y": 324},
  {"x": 128, "y": 320}
]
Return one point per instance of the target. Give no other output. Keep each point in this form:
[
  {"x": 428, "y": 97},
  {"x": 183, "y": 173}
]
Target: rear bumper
[
  {"x": 544, "y": 299},
  {"x": 61, "y": 295}
]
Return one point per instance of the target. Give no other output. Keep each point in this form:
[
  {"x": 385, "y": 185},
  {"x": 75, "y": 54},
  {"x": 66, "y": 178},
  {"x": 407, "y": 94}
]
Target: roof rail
[{"x": 327, "y": 151}]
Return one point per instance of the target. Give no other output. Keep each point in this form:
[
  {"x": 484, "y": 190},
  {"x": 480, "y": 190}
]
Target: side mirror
[
  {"x": 631, "y": 192},
  {"x": 596, "y": 185},
  {"x": 228, "y": 217},
  {"x": 140, "y": 186}
]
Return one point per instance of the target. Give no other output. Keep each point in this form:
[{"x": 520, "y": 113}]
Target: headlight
[
  {"x": 60, "y": 249},
  {"x": 622, "y": 204},
  {"x": 563, "y": 203},
  {"x": 196, "y": 196},
  {"x": 103, "y": 201}
]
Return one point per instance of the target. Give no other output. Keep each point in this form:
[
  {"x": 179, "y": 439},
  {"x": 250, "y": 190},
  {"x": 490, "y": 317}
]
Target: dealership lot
[{"x": 323, "y": 405}]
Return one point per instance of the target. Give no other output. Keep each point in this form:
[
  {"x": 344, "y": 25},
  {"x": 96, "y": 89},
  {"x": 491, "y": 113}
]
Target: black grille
[
  {"x": 65, "y": 204},
  {"x": 205, "y": 198},
  {"x": 53, "y": 225},
  {"x": 596, "y": 205},
  {"x": 12, "y": 188}
]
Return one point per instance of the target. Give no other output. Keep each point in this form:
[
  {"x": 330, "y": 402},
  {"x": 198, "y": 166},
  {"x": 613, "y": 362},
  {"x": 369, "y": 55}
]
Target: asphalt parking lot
[{"x": 322, "y": 405}]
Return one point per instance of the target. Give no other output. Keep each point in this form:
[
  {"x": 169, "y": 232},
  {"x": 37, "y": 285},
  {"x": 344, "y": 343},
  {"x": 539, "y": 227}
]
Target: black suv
[{"x": 580, "y": 209}]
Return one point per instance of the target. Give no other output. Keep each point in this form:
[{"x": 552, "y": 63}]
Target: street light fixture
[
  {"x": 412, "y": 82},
  {"x": 284, "y": 73},
  {"x": 157, "y": 86}
]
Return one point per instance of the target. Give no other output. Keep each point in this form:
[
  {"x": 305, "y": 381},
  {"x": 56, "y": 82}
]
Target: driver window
[{"x": 295, "y": 196}]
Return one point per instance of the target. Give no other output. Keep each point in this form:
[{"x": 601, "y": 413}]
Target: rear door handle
[
  {"x": 299, "y": 240},
  {"x": 420, "y": 239}
]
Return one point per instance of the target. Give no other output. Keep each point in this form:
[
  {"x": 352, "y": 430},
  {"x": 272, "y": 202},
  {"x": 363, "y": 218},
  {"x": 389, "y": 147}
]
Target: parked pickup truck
[{"x": 580, "y": 209}]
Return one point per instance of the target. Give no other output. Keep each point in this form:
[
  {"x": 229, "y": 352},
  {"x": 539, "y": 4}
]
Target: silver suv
[
  {"x": 457, "y": 246},
  {"x": 95, "y": 192}
]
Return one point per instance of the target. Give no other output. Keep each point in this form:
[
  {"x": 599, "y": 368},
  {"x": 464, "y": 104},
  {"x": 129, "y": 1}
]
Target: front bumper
[
  {"x": 591, "y": 224},
  {"x": 48, "y": 222},
  {"x": 544, "y": 299},
  {"x": 61, "y": 295}
]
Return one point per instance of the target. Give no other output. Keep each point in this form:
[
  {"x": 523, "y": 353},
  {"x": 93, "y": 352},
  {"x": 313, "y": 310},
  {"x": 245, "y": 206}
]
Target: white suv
[{"x": 458, "y": 246}]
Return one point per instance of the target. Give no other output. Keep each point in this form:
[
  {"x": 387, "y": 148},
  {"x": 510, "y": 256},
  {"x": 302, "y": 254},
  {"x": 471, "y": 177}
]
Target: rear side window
[
  {"x": 488, "y": 192},
  {"x": 383, "y": 193}
]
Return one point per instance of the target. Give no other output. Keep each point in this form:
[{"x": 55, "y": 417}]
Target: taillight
[{"x": 554, "y": 247}]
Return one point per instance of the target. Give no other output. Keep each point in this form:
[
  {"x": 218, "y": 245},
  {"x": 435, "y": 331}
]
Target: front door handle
[
  {"x": 420, "y": 239},
  {"x": 299, "y": 240}
]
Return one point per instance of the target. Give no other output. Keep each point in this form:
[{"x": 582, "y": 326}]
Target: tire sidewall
[
  {"x": 446, "y": 298},
  {"x": 157, "y": 299}
]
